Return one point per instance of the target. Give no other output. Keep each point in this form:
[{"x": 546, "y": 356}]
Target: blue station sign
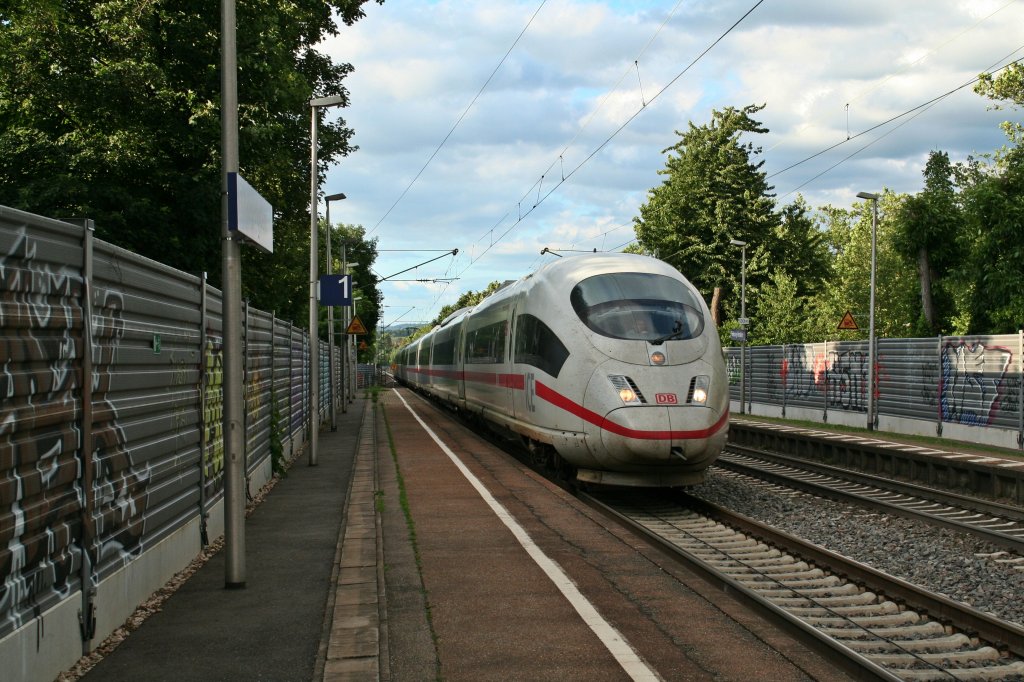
[{"x": 335, "y": 290}]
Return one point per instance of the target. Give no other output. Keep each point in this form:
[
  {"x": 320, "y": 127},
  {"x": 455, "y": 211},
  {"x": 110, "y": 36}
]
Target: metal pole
[
  {"x": 330, "y": 326},
  {"x": 871, "y": 319},
  {"x": 314, "y": 349},
  {"x": 87, "y": 470},
  {"x": 873, "y": 198},
  {"x": 353, "y": 358},
  {"x": 743, "y": 342},
  {"x": 231, "y": 274},
  {"x": 204, "y": 381},
  {"x": 344, "y": 341}
]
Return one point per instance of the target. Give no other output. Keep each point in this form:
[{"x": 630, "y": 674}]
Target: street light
[
  {"x": 873, "y": 198},
  {"x": 353, "y": 357},
  {"x": 314, "y": 346},
  {"x": 330, "y": 313},
  {"x": 743, "y": 322}
]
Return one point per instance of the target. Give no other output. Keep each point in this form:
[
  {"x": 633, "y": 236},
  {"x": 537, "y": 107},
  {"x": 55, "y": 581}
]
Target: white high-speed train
[{"x": 607, "y": 366}]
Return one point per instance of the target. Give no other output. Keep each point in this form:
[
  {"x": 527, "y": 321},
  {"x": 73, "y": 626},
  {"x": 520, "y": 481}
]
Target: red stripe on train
[{"x": 559, "y": 400}]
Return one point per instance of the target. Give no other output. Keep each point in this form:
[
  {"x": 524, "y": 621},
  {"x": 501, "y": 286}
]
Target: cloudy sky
[{"x": 499, "y": 128}]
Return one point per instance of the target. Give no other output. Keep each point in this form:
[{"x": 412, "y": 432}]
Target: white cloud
[{"x": 419, "y": 65}]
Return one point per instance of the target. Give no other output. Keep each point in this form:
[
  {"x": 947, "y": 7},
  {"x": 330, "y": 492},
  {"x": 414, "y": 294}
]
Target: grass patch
[{"x": 403, "y": 500}]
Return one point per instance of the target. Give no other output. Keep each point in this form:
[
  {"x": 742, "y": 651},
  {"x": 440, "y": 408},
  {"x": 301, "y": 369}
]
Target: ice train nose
[{"x": 654, "y": 434}]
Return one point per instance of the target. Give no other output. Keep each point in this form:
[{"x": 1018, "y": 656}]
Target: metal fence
[
  {"x": 964, "y": 387},
  {"x": 111, "y": 447}
]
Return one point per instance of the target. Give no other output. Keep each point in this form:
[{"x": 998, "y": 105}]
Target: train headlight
[
  {"x": 698, "y": 393},
  {"x": 629, "y": 394},
  {"x": 657, "y": 358}
]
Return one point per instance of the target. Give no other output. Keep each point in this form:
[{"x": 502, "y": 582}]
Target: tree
[
  {"x": 716, "y": 192},
  {"x": 1007, "y": 86},
  {"x": 925, "y": 231},
  {"x": 781, "y": 312},
  {"x": 466, "y": 300},
  {"x": 801, "y": 248},
  {"x": 993, "y": 270},
  {"x": 111, "y": 110},
  {"x": 849, "y": 288},
  {"x": 993, "y": 209},
  {"x": 713, "y": 192}
]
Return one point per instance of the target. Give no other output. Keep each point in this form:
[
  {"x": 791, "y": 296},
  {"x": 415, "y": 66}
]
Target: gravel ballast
[{"x": 958, "y": 565}]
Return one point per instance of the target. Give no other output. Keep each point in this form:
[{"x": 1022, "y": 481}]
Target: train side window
[
  {"x": 486, "y": 345},
  {"x": 444, "y": 348},
  {"x": 537, "y": 345}
]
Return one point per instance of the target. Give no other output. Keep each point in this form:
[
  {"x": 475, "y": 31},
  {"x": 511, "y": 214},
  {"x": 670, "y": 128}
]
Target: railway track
[
  {"x": 1000, "y": 524},
  {"x": 871, "y": 623}
]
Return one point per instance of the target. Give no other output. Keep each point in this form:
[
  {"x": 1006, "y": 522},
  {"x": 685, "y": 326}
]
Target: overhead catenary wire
[
  {"x": 916, "y": 111},
  {"x": 549, "y": 183},
  {"x": 613, "y": 135},
  {"x": 864, "y": 92},
  {"x": 541, "y": 198},
  {"x": 459, "y": 120},
  {"x": 560, "y": 158}
]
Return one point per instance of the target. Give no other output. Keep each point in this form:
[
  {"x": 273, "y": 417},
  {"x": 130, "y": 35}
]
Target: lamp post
[
  {"x": 314, "y": 347},
  {"x": 330, "y": 313},
  {"x": 231, "y": 259},
  {"x": 352, "y": 349},
  {"x": 873, "y": 198},
  {"x": 743, "y": 322}
]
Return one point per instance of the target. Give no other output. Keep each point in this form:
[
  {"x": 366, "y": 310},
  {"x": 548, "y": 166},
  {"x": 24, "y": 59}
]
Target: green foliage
[
  {"x": 111, "y": 111},
  {"x": 713, "y": 192},
  {"x": 949, "y": 259},
  {"x": 466, "y": 300},
  {"x": 716, "y": 192},
  {"x": 925, "y": 233},
  {"x": 848, "y": 234},
  {"x": 781, "y": 314},
  {"x": 1007, "y": 86},
  {"x": 993, "y": 272}
]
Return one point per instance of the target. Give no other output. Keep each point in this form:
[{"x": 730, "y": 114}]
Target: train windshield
[{"x": 638, "y": 306}]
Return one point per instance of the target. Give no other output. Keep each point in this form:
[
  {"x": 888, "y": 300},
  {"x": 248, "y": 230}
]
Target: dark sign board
[
  {"x": 249, "y": 214},
  {"x": 335, "y": 290}
]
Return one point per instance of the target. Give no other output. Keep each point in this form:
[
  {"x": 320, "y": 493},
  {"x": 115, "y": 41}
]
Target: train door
[
  {"x": 460, "y": 362},
  {"x": 522, "y": 393}
]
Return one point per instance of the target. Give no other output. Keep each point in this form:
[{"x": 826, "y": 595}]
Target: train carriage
[{"x": 609, "y": 364}]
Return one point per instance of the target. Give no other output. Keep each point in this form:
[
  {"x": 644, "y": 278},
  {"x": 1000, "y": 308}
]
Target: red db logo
[{"x": 666, "y": 398}]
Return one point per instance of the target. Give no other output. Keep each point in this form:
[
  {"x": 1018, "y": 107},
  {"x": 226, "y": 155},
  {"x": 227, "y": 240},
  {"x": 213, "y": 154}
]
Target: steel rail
[
  {"x": 850, "y": 661},
  {"x": 903, "y": 508},
  {"x": 962, "y": 616},
  {"x": 1002, "y": 635},
  {"x": 984, "y": 506}
]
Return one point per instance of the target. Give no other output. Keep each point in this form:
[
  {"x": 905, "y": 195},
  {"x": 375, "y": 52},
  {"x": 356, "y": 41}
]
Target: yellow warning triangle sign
[
  {"x": 848, "y": 323},
  {"x": 355, "y": 326}
]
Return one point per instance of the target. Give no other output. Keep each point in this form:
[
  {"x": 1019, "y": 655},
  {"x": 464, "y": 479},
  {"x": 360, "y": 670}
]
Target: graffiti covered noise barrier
[
  {"x": 111, "y": 430},
  {"x": 947, "y": 381}
]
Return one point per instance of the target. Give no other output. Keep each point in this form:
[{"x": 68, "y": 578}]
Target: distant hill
[{"x": 404, "y": 328}]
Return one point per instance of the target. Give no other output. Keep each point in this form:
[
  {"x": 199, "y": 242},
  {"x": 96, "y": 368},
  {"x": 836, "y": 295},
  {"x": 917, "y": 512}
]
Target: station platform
[
  {"x": 278, "y": 627},
  {"x": 386, "y": 561}
]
